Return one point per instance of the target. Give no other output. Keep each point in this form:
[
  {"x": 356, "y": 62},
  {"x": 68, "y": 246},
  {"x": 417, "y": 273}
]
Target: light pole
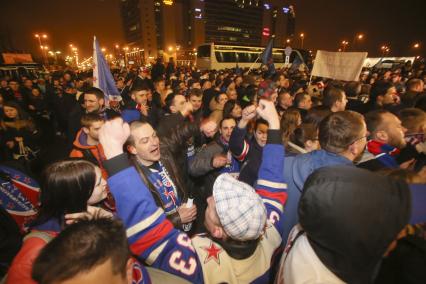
[
  {"x": 344, "y": 45},
  {"x": 385, "y": 50},
  {"x": 358, "y": 37},
  {"x": 43, "y": 52},
  {"x": 302, "y": 37},
  {"x": 125, "y": 56}
]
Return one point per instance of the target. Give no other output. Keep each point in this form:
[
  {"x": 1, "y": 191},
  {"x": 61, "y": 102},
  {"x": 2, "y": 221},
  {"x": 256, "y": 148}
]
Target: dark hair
[
  {"x": 169, "y": 101},
  {"x": 22, "y": 115},
  {"x": 195, "y": 92},
  {"x": 226, "y": 118},
  {"x": 95, "y": 91},
  {"x": 82, "y": 247},
  {"x": 379, "y": 88},
  {"x": 317, "y": 114},
  {"x": 260, "y": 121},
  {"x": 374, "y": 119},
  {"x": 65, "y": 188},
  {"x": 331, "y": 96},
  {"x": 88, "y": 118},
  {"x": 139, "y": 88},
  {"x": 288, "y": 123},
  {"x": 412, "y": 119},
  {"x": 305, "y": 132},
  {"x": 339, "y": 130},
  {"x": 298, "y": 98},
  {"x": 228, "y": 107},
  {"x": 353, "y": 89}
]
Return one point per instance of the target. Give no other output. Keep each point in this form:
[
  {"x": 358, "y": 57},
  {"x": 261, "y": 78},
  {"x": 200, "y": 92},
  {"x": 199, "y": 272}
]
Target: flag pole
[{"x": 251, "y": 67}]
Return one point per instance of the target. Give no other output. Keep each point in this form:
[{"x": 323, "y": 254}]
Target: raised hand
[
  {"x": 112, "y": 136},
  {"x": 248, "y": 114},
  {"x": 209, "y": 128},
  {"x": 266, "y": 109}
]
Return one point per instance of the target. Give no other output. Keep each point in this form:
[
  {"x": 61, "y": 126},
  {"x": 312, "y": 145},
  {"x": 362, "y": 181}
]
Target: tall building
[
  {"x": 231, "y": 22},
  {"x": 175, "y": 27}
]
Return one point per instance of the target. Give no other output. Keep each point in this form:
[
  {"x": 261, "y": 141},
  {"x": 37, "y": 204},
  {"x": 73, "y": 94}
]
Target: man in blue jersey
[{"x": 243, "y": 222}]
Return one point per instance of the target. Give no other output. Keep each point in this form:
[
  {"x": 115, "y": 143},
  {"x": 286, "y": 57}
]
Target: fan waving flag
[
  {"x": 102, "y": 77},
  {"x": 267, "y": 57},
  {"x": 267, "y": 53}
]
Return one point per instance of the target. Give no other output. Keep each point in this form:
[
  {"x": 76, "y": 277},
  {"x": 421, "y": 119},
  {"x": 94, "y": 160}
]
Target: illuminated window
[{"x": 229, "y": 29}]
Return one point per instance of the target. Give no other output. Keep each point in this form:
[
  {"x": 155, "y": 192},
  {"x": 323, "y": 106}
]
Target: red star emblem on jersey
[{"x": 212, "y": 253}]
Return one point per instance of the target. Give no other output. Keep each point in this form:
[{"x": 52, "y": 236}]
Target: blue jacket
[
  {"x": 296, "y": 170},
  {"x": 200, "y": 259}
]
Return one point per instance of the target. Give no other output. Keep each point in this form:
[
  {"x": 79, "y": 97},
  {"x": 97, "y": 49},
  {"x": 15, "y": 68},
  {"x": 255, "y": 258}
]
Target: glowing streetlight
[
  {"x": 117, "y": 46},
  {"x": 416, "y": 45},
  {"x": 302, "y": 37},
  {"x": 170, "y": 48},
  {"x": 103, "y": 49},
  {"x": 39, "y": 38},
  {"x": 344, "y": 44}
]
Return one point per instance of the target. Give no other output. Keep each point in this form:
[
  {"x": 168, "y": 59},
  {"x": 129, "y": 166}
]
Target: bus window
[
  {"x": 203, "y": 51},
  {"x": 225, "y": 56},
  {"x": 278, "y": 57}
]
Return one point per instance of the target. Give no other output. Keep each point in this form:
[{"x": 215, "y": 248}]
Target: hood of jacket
[
  {"x": 351, "y": 216},
  {"x": 81, "y": 141},
  {"x": 303, "y": 165}
]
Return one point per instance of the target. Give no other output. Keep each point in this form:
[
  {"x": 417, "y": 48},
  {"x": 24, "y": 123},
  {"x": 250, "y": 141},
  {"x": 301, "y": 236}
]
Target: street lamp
[
  {"x": 416, "y": 45},
  {"x": 358, "y": 37},
  {"x": 385, "y": 50},
  {"x": 43, "y": 54},
  {"x": 302, "y": 37},
  {"x": 344, "y": 44}
]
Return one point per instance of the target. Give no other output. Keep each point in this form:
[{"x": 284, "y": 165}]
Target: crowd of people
[{"x": 217, "y": 176}]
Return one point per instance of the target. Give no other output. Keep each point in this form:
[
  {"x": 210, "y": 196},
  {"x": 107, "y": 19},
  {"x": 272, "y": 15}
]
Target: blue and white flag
[
  {"x": 267, "y": 58},
  {"x": 102, "y": 77},
  {"x": 267, "y": 53}
]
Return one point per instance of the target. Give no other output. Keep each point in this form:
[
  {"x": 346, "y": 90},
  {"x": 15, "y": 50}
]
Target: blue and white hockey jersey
[{"x": 200, "y": 259}]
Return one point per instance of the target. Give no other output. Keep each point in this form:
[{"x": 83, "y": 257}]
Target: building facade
[{"x": 174, "y": 28}]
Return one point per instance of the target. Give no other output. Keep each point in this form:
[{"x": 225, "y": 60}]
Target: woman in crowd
[
  {"x": 68, "y": 187},
  {"x": 20, "y": 133},
  {"x": 304, "y": 139},
  {"x": 289, "y": 122},
  {"x": 232, "y": 109}
]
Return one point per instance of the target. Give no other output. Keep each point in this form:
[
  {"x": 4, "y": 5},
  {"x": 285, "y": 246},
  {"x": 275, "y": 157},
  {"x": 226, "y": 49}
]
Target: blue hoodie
[{"x": 296, "y": 170}]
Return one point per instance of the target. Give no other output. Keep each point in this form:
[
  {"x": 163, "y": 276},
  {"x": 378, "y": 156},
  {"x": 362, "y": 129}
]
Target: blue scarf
[{"x": 165, "y": 187}]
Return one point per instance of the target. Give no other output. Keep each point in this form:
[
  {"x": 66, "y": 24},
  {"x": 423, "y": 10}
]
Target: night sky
[{"x": 325, "y": 23}]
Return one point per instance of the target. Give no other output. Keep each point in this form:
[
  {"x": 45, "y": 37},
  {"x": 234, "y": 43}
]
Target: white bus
[
  {"x": 214, "y": 56},
  {"x": 386, "y": 62}
]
